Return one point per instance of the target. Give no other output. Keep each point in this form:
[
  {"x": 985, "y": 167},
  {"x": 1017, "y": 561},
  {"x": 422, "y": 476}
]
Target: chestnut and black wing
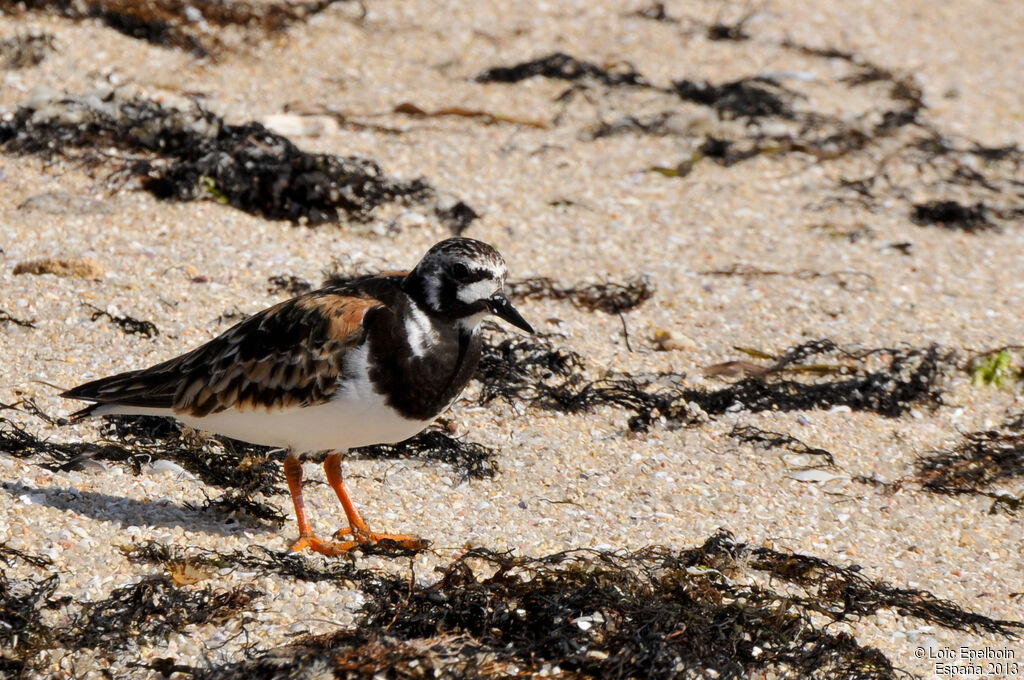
[{"x": 291, "y": 354}]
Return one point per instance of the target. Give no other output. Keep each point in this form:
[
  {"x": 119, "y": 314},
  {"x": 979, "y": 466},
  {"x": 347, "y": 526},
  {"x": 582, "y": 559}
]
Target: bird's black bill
[{"x": 500, "y": 306}]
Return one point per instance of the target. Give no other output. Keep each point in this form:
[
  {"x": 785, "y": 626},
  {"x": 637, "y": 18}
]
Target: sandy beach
[{"x": 849, "y": 172}]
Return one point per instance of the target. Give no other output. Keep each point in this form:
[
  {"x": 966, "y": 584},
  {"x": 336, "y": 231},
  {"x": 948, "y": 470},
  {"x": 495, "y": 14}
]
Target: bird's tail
[{"x": 82, "y": 414}]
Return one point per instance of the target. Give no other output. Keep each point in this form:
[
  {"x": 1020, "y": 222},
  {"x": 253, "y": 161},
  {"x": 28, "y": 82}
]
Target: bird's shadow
[{"x": 131, "y": 512}]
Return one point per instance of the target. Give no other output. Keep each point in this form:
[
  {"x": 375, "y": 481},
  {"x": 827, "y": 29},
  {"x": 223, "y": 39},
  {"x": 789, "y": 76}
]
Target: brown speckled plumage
[{"x": 287, "y": 355}]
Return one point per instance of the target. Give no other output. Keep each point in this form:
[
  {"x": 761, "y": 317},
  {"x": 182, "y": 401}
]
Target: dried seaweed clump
[
  {"x": 554, "y": 379},
  {"x": 981, "y": 460},
  {"x": 970, "y": 186},
  {"x": 469, "y": 459},
  {"x": 6, "y": 317},
  {"x": 247, "y": 471},
  {"x": 610, "y": 297},
  {"x": 128, "y": 324},
  {"x": 144, "y": 612},
  {"x": 22, "y": 601},
  {"x": 524, "y": 369},
  {"x": 194, "y": 154},
  {"x": 183, "y": 24},
  {"x": 20, "y": 443},
  {"x": 654, "y": 12},
  {"x": 952, "y": 215},
  {"x": 288, "y": 283},
  {"x": 886, "y": 381},
  {"x": 456, "y": 217},
  {"x": 654, "y": 613},
  {"x": 764, "y": 439},
  {"x": 150, "y": 610},
  {"x": 755, "y": 97},
  {"x": 561, "y": 66},
  {"x": 255, "y": 558},
  {"x": 24, "y": 51}
]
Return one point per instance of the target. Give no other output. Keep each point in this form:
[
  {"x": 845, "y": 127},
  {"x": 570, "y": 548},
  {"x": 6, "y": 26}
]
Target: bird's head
[{"x": 462, "y": 279}]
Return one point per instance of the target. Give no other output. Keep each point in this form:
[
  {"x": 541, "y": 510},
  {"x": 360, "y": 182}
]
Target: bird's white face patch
[
  {"x": 418, "y": 331},
  {"x": 478, "y": 290},
  {"x": 432, "y": 289}
]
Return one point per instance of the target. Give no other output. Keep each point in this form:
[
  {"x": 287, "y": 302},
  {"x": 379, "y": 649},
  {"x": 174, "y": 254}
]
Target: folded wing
[{"x": 289, "y": 354}]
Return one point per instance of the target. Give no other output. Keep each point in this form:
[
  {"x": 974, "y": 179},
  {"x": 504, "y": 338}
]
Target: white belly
[
  {"x": 339, "y": 424},
  {"x": 355, "y": 416}
]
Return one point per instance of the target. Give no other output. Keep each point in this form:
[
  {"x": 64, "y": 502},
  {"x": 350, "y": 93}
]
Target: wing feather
[{"x": 287, "y": 355}]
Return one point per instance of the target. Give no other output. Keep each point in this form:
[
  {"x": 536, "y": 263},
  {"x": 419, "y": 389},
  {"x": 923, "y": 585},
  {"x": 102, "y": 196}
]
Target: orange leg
[
  {"x": 356, "y": 526},
  {"x": 293, "y": 473}
]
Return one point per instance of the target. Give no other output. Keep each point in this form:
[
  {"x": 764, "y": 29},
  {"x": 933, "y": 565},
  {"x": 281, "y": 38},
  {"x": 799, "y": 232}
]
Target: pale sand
[{"x": 963, "y": 291}]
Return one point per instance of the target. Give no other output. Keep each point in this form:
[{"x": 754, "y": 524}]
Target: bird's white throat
[{"x": 419, "y": 331}]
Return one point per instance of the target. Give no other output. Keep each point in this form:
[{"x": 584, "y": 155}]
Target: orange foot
[
  {"x": 317, "y": 545},
  {"x": 366, "y": 538},
  {"x": 366, "y": 541}
]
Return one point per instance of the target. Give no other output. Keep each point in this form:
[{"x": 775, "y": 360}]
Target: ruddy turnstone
[{"x": 370, "y": 361}]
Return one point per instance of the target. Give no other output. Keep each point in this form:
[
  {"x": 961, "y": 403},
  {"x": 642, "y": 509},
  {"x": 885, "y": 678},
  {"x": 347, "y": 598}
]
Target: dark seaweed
[
  {"x": 25, "y": 51},
  {"x": 764, "y": 439},
  {"x": 28, "y": 405},
  {"x": 173, "y": 23},
  {"x": 246, "y": 471},
  {"x": 20, "y": 443},
  {"x": 734, "y": 31},
  {"x": 288, "y": 283},
  {"x": 551, "y": 378},
  {"x": 910, "y": 144},
  {"x": 263, "y": 173},
  {"x": 610, "y": 297},
  {"x": 469, "y": 459},
  {"x": 654, "y": 613},
  {"x": 655, "y": 12},
  {"x": 128, "y": 324},
  {"x": 562, "y": 66},
  {"x": 287, "y": 564},
  {"x": 5, "y": 318},
  {"x": 656, "y": 124},
  {"x": 195, "y": 154},
  {"x": 866, "y": 71},
  {"x": 952, "y": 215},
  {"x": 658, "y": 612},
  {"x": 456, "y": 217},
  {"x": 755, "y": 97},
  {"x": 22, "y": 602},
  {"x": 981, "y": 460},
  {"x": 150, "y": 610}
]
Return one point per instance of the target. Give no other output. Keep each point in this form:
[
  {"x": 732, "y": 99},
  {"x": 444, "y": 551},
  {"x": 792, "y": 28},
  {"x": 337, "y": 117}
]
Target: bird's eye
[{"x": 460, "y": 272}]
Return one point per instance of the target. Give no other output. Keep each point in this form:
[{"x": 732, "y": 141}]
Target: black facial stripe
[
  {"x": 451, "y": 306},
  {"x": 478, "y": 275},
  {"x": 448, "y": 292}
]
